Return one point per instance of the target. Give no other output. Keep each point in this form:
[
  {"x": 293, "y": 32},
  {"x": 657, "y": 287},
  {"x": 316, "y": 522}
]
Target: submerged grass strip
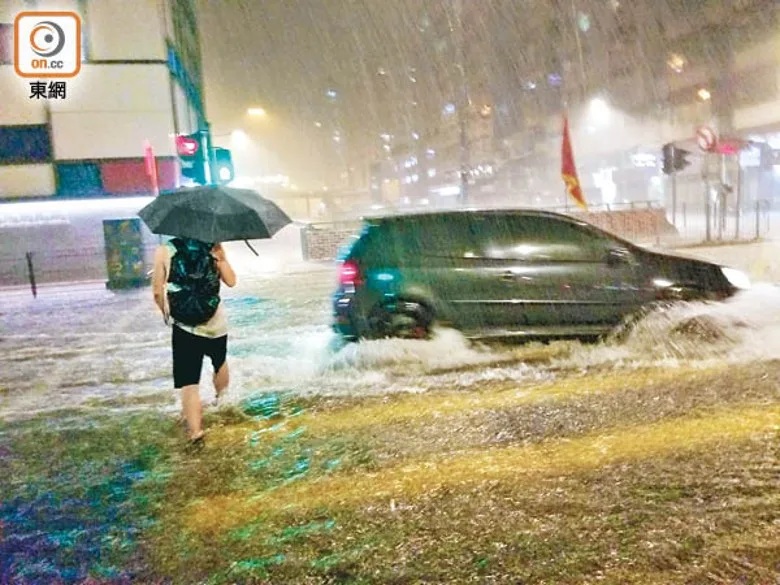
[
  {"x": 517, "y": 463},
  {"x": 398, "y": 409}
]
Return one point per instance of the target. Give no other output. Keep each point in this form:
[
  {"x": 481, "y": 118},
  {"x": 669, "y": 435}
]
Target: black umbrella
[{"x": 213, "y": 213}]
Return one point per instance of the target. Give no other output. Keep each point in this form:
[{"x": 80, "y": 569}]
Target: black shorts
[{"x": 188, "y": 353}]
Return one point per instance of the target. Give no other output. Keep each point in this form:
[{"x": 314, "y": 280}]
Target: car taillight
[{"x": 350, "y": 273}]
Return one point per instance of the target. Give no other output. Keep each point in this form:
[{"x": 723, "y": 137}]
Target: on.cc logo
[
  {"x": 47, "y": 44},
  {"x": 47, "y": 39}
]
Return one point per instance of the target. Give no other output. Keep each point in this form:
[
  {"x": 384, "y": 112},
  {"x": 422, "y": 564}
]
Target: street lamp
[
  {"x": 239, "y": 139},
  {"x": 257, "y": 112},
  {"x": 599, "y": 112}
]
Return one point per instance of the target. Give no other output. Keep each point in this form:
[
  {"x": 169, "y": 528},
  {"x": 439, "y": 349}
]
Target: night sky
[{"x": 285, "y": 54}]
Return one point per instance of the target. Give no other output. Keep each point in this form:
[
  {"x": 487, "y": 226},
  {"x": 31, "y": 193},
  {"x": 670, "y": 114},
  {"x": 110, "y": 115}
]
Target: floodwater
[{"x": 84, "y": 347}]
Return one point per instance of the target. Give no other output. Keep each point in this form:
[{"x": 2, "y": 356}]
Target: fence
[
  {"x": 636, "y": 222},
  {"x": 57, "y": 251}
]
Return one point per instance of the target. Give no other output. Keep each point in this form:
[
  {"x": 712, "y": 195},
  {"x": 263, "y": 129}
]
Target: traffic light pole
[
  {"x": 738, "y": 203},
  {"x": 707, "y": 197},
  {"x": 674, "y": 197},
  {"x": 211, "y": 167}
]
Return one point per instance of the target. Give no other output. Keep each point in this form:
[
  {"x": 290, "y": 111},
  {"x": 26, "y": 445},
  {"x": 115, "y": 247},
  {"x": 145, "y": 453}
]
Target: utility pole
[{"x": 723, "y": 110}]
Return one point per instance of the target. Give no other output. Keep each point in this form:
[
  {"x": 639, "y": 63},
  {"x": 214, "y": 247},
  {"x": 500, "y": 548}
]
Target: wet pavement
[{"x": 85, "y": 347}]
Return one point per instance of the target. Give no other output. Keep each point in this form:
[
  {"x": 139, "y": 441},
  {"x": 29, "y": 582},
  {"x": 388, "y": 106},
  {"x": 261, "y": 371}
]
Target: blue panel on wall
[
  {"x": 78, "y": 179},
  {"x": 25, "y": 144}
]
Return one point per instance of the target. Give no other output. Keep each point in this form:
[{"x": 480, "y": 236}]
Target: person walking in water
[{"x": 186, "y": 284}]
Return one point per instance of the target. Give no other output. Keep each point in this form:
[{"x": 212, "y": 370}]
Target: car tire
[{"x": 404, "y": 319}]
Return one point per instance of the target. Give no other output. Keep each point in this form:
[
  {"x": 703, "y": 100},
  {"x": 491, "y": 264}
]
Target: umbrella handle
[{"x": 250, "y": 247}]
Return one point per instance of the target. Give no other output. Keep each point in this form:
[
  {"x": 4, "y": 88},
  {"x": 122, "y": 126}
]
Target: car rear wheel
[{"x": 403, "y": 319}]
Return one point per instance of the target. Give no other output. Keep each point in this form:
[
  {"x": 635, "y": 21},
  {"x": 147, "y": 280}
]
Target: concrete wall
[
  {"x": 637, "y": 225},
  {"x": 324, "y": 242}
]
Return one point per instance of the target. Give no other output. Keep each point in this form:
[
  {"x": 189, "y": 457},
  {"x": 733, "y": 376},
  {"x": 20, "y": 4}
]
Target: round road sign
[{"x": 705, "y": 138}]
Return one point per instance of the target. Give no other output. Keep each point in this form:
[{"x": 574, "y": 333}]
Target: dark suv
[{"x": 502, "y": 273}]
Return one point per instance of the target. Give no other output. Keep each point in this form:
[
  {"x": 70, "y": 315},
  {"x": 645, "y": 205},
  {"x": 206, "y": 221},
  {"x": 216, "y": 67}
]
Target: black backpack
[{"x": 194, "y": 272}]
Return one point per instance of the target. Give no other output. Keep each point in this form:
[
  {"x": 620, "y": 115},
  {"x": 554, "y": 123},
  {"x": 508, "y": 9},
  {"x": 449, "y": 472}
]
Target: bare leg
[
  {"x": 221, "y": 379},
  {"x": 193, "y": 410}
]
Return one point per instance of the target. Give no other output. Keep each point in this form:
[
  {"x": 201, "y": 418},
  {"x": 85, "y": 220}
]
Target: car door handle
[{"x": 507, "y": 276}]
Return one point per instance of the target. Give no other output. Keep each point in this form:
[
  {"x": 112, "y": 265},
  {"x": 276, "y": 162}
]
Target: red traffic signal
[
  {"x": 187, "y": 145},
  {"x": 193, "y": 163}
]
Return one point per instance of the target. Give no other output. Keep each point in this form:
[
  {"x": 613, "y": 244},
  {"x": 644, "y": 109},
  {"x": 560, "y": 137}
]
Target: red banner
[{"x": 568, "y": 169}]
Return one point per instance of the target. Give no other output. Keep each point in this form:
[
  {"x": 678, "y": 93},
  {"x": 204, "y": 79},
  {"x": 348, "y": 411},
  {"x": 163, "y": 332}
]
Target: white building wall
[
  {"x": 18, "y": 181},
  {"x": 768, "y": 113},
  {"x": 186, "y": 122},
  {"x": 122, "y": 30},
  {"x": 112, "y": 110},
  {"x": 10, "y": 8},
  {"x": 16, "y": 107}
]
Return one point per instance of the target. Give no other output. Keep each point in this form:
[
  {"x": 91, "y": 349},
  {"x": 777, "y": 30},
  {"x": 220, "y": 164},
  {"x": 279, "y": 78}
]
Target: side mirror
[{"x": 619, "y": 256}]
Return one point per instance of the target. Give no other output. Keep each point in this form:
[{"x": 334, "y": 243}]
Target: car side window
[
  {"x": 542, "y": 239},
  {"x": 438, "y": 236}
]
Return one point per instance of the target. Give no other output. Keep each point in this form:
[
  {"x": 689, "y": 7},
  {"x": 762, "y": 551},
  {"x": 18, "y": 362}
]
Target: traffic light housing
[
  {"x": 674, "y": 159},
  {"x": 680, "y": 159},
  {"x": 223, "y": 165},
  {"x": 190, "y": 150}
]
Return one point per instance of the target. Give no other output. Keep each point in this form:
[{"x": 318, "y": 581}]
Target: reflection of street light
[
  {"x": 704, "y": 94},
  {"x": 257, "y": 112}
]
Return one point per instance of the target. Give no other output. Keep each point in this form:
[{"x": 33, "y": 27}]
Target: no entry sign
[{"x": 705, "y": 138}]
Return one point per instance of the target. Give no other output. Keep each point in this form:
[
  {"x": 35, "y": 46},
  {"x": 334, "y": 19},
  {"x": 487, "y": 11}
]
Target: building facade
[
  {"x": 442, "y": 106},
  {"x": 635, "y": 76},
  {"x": 139, "y": 86},
  {"x": 632, "y": 76}
]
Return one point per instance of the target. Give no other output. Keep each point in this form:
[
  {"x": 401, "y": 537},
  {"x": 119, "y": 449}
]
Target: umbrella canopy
[{"x": 214, "y": 213}]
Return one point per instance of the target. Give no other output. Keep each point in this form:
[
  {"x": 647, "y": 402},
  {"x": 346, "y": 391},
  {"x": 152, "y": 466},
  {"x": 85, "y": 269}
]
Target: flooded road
[{"x": 84, "y": 347}]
